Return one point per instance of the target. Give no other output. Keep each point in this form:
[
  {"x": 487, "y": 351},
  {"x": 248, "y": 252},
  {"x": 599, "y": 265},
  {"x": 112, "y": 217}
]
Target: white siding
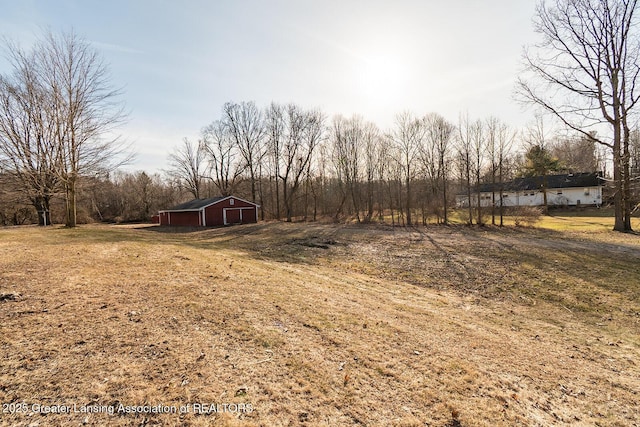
[{"x": 555, "y": 197}]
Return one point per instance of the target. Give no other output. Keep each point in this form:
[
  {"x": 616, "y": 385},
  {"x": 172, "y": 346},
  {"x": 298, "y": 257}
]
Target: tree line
[
  {"x": 298, "y": 163},
  {"x": 58, "y": 114}
]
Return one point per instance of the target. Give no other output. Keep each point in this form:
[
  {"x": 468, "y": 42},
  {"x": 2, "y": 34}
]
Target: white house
[{"x": 574, "y": 189}]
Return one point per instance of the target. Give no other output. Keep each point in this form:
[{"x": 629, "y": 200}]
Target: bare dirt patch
[{"x": 309, "y": 324}]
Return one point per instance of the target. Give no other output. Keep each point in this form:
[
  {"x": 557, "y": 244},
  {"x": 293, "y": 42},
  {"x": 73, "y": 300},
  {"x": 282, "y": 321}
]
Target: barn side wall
[
  {"x": 214, "y": 214},
  {"x": 184, "y": 218},
  {"x": 164, "y": 218}
]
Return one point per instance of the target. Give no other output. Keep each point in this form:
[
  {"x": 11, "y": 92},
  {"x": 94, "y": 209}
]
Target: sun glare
[{"x": 383, "y": 78}]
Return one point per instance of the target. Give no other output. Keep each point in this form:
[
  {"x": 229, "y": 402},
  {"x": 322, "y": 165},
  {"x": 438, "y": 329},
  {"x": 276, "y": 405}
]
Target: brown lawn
[{"x": 320, "y": 325}]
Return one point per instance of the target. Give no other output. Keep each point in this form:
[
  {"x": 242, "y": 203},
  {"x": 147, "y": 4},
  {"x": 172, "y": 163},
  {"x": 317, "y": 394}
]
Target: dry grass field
[{"x": 321, "y": 325}]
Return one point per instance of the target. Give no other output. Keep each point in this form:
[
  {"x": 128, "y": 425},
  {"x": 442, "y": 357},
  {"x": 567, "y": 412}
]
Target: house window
[
  {"x": 586, "y": 191},
  {"x": 559, "y": 192},
  {"x": 231, "y": 202}
]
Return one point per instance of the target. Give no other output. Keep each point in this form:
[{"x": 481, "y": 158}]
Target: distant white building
[{"x": 574, "y": 189}]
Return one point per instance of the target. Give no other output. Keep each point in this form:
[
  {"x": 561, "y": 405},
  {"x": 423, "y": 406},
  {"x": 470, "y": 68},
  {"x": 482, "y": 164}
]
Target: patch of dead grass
[{"x": 380, "y": 327}]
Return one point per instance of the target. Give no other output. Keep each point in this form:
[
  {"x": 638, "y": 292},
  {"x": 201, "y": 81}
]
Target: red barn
[{"x": 211, "y": 212}]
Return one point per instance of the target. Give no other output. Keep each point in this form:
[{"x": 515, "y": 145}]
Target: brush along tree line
[{"x": 58, "y": 111}]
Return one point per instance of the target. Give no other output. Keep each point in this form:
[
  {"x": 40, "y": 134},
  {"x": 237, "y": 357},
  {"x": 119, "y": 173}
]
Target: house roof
[
  {"x": 569, "y": 180},
  {"x": 198, "y": 204}
]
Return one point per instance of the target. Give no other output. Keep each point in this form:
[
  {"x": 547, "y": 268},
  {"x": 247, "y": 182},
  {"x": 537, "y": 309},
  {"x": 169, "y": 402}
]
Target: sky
[{"x": 178, "y": 62}]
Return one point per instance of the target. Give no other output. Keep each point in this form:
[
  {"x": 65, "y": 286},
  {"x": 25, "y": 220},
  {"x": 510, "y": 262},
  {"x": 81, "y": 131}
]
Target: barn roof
[
  {"x": 567, "y": 180},
  {"x": 197, "y": 204}
]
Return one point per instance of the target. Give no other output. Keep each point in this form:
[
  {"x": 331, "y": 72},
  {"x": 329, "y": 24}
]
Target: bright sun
[{"x": 383, "y": 78}]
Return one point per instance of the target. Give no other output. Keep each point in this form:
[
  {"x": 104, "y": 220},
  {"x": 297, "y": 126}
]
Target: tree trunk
[
  {"x": 315, "y": 206},
  {"x": 391, "y": 207},
  {"x": 277, "y": 199},
  {"x": 306, "y": 198},
  {"x": 408, "y": 201},
  {"x": 356, "y": 204},
  {"x": 493, "y": 194},
  {"x": 41, "y": 203},
  {"x": 287, "y": 203},
  {"x": 444, "y": 198},
  {"x": 71, "y": 203},
  {"x": 469, "y": 196},
  {"x": 369, "y": 201},
  {"x": 619, "y": 224},
  {"x": 343, "y": 200},
  {"x": 545, "y": 208},
  {"x": 261, "y": 193},
  {"x": 479, "y": 219},
  {"x": 500, "y": 178},
  {"x": 253, "y": 184},
  {"x": 626, "y": 184}
]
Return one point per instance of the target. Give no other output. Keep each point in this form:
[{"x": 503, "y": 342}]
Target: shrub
[{"x": 526, "y": 216}]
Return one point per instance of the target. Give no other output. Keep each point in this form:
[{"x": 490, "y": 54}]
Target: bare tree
[
  {"x": 465, "y": 159},
  {"x": 392, "y": 169},
  {"x": 355, "y": 158},
  {"x": 188, "y": 166},
  {"x": 439, "y": 133},
  {"x": 585, "y": 72},
  {"x": 538, "y": 161},
  {"x": 28, "y": 152},
  {"x": 303, "y": 132},
  {"x": 85, "y": 109},
  {"x": 634, "y": 168},
  {"x": 382, "y": 172},
  {"x": 275, "y": 132},
  {"x": 478, "y": 145},
  {"x": 372, "y": 141},
  {"x": 224, "y": 163},
  {"x": 338, "y": 159},
  {"x": 505, "y": 138},
  {"x": 245, "y": 124},
  {"x": 126, "y": 196},
  {"x": 348, "y": 139},
  {"x": 322, "y": 180},
  {"x": 576, "y": 153},
  {"x": 408, "y": 136},
  {"x": 499, "y": 143},
  {"x": 635, "y": 152},
  {"x": 635, "y": 160},
  {"x": 429, "y": 169},
  {"x": 492, "y": 147}
]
